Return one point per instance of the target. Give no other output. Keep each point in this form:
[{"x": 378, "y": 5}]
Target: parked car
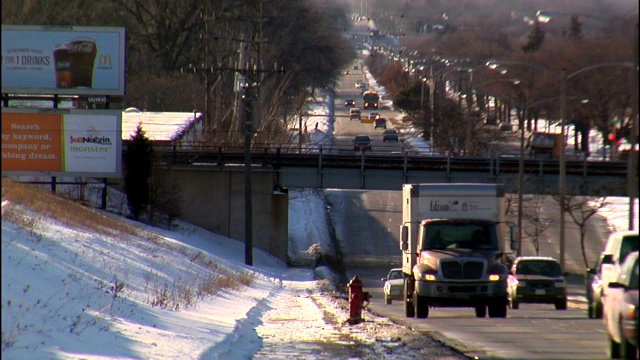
[
  {"x": 593, "y": 290},
  {"x": 362, "y": 143},
  {"x": 618, "y": 246},
  {"x": 349, "y": 103},
  {"x": 380, "y": 123},
  {"x": 537, "y": 279},
  {"x": 390, "y": 135},
  {"x": 393, "y": 286},
  {"x": 620, "y": 310}
]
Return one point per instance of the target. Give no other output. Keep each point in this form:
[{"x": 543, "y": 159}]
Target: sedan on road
[
  {"x": 393, "y": 285},
  {"x": 362, "y": 143},
  {"x": 380, "y": 122},
  {"x": 593, "y": 290},
  {"x": 390, "y": 135},
  {"x": 349, "y": 103}
]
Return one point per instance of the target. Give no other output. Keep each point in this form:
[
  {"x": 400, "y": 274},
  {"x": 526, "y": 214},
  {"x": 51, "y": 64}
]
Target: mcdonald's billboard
[
  {"x": 61, "y": 142},
  {"x": 63, "y": 60}
]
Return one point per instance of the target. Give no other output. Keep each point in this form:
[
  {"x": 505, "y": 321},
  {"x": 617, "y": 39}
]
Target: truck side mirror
[
  {"x": 404, "y": 237},
  {"x": 514, "y": 237}
]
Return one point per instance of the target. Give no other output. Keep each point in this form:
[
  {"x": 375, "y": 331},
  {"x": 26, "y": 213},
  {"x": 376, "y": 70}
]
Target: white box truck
[{"x": 453, "y": 239}]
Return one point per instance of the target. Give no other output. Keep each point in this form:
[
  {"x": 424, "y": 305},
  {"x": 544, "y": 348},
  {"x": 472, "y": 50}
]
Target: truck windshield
[{"x": 473, "y": 236}]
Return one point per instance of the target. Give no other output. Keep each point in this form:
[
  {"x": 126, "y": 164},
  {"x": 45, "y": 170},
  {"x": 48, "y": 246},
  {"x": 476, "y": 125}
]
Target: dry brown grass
[{"x": 181, "y": 294}]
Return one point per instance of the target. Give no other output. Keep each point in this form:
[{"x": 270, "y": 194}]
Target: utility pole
[
  {"x": 249, "y": 94},
  {"x": 633, "y": 152}
]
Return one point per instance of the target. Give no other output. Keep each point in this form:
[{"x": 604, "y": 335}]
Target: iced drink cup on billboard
[
  {"x": 82, "y": 52},
  {"x": 62, "y": 62}
]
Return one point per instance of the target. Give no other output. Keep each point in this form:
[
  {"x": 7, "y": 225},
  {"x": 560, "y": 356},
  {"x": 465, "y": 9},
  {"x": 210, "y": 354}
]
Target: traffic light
[{"x": 614, "y": 137}]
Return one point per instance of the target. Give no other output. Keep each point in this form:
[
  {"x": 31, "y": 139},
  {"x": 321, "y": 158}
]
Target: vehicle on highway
[
  {"x": 390, "y": 135},
  {"x": 620, "y": 310},
  {"x": 380, "y": 123},
  {"x": 359, "y": 84},
  {"x": 370, "y": 99},
  {"x": 393, "y": 285},
  {"x": 618, "y": 246},
  {"x": 354, "y": 113},
  {"x": 537, "y": 279},
  {"x": 453, "y": 241},
  {"x": 374, "y": 115},
  {"x": 349, "y": 103},
  {"x": 593, "y": 290},
  {"x": 362, "y": 143}
]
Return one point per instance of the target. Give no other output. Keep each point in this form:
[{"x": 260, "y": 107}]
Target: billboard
[
  {"x": 64, "y": 60},
  {"x": 62, "y": 142}
]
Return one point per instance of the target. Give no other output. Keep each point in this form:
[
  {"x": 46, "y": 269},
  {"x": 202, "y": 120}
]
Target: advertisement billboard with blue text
[{"x": 63, "y": 60}]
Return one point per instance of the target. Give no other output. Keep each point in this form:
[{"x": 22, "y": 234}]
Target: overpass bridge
[
  {"x": 342, "y": 168},
  {"x": 211, "y": 181}
]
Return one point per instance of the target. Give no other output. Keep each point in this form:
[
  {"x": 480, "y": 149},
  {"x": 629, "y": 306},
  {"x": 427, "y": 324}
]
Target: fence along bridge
[{"x": 345, "y": 169}]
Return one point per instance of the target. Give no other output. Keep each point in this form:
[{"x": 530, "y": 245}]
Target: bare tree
[
  {"x": 580, "y": 209},
  {"x": 536, "y": 222}
]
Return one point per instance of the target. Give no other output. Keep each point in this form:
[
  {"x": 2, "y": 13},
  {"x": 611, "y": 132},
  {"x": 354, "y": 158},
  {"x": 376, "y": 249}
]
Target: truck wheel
[
  {"x": 422, "y": 306},
  {"x": 387, "y": 299},
  {"x": 627, "y": 350},
  {"x": 481, "y": 311},
  {"x": 597, "y": 311},
  {"x": 498, "y": 310},
  {"x": 614, "y": 348},
  {"x": 409, "y": 310}
]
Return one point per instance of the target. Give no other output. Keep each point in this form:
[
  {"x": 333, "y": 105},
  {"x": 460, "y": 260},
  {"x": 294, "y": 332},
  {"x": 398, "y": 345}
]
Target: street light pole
[
  {"x": 432, "y": 111},
  {"x": 563, "y": 170},
  {"x": 469, "y": 105},
  {"x": 632, "y": 174},
  {"x": 520, "y": 188}
]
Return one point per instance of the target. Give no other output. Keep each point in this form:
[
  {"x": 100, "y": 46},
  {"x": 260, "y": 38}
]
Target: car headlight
[{"x": 429, "y": 276}]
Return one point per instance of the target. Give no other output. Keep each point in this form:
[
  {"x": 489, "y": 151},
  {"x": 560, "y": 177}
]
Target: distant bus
[{"x": 370, "y": 99}]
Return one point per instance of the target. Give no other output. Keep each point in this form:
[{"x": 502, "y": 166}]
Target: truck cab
[{"x": 453, "y": 241}]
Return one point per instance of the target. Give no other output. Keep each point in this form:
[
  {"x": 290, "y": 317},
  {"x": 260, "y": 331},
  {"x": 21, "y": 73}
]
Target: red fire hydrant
[{"x": 357, "y": 298}]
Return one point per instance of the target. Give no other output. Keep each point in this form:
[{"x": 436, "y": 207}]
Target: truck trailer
[{"x": 453, "y": 239}]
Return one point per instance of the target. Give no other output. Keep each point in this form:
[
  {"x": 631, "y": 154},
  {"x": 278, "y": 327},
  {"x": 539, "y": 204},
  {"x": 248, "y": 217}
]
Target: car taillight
[{"x": 629, "y": 310}]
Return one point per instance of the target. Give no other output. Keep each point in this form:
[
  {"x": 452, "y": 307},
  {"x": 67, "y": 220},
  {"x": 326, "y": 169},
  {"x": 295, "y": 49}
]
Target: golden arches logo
[{"x": 105, "y": 60}]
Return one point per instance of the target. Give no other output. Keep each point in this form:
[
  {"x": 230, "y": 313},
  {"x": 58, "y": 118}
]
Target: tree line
[
  {"x": 467, "y": 34},
  {"x": 186, "y": 55}
]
